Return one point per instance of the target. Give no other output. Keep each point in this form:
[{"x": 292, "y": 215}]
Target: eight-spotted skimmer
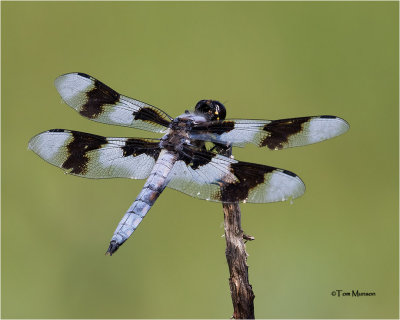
[{"x": 181, "y": 159}]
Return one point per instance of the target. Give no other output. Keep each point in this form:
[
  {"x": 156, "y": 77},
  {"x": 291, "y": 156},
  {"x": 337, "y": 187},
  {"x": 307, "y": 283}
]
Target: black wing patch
[
  {"x": 96, "y": 101},
  {"x": 92, "y": 156},
  {"x": 275, "y": 135},
  {"x": 214, "y": 177}
]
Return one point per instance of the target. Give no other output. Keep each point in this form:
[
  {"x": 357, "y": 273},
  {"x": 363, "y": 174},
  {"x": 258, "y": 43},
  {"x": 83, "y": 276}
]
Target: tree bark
[{"x": 236, "y": 256}]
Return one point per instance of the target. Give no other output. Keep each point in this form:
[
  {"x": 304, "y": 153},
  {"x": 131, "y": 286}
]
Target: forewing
[
  {"x": 92, "y": 156},
  {"x": 210, "y": 176},
  {"x": 275, "y": 135},
  {"x": 96, "y": 101}
]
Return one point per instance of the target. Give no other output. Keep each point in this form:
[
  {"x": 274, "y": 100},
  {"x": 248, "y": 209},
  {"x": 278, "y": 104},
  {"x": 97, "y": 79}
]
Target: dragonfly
[{"x": 192, "y": 156}]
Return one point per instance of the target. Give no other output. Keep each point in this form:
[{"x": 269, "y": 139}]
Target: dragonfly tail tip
[{"x": 112, "y": 248}]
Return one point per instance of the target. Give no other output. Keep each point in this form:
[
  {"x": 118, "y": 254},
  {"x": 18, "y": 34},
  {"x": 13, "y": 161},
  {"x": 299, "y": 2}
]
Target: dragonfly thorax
[{"x": 177, "y": 134}]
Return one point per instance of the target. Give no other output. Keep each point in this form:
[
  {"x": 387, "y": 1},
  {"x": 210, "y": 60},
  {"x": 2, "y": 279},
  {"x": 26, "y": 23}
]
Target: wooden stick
[{"x": 236, "y": 256}]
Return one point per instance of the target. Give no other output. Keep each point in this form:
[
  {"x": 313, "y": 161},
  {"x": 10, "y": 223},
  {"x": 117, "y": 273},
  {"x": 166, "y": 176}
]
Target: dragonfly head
[{"x": 212, "y": 109}]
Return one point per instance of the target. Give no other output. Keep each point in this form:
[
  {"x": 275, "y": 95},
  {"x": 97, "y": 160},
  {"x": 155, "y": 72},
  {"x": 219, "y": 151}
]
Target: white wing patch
[
  {"x": 49, "y": 146},
  {"x": 72, "y": 89},
  {"x": 245, "y": 131},
  {"x": 320, "y": 129}
]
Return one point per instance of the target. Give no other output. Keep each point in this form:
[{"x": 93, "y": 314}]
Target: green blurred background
[{"x": 263, "y": 60}]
